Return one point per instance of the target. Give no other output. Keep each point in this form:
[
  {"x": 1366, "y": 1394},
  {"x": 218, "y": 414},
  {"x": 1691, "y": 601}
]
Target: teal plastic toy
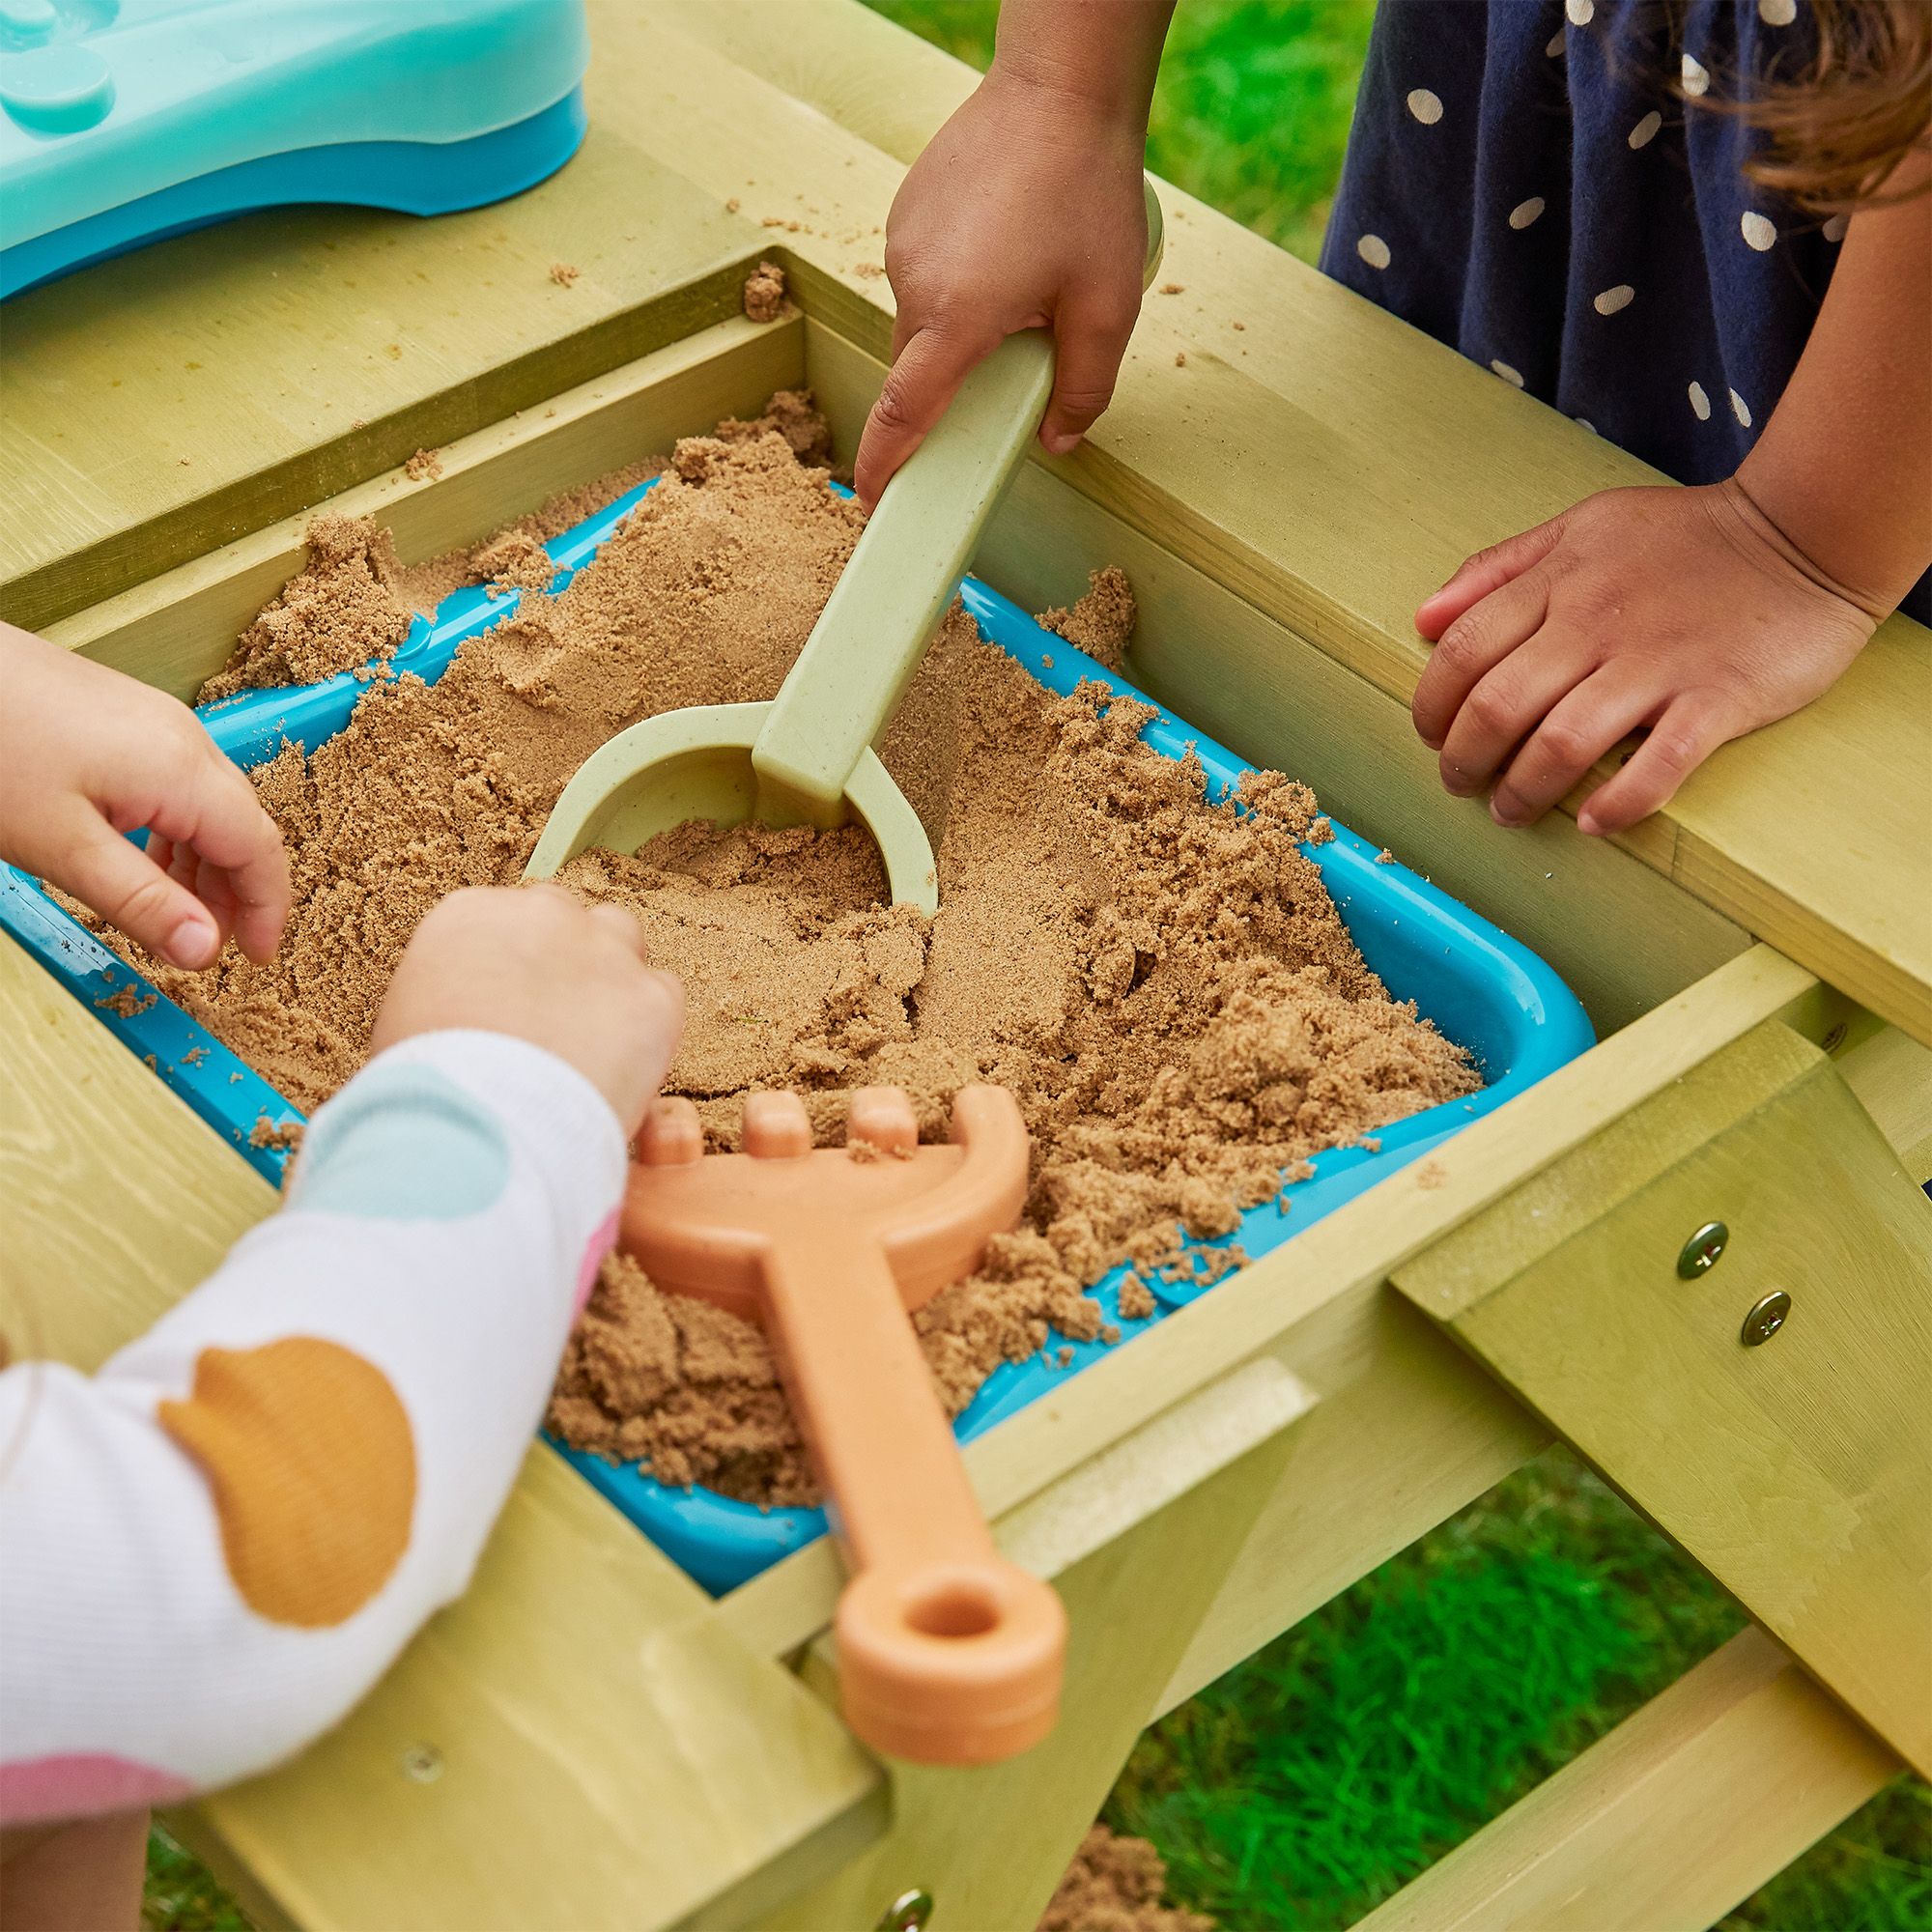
[{"x": 125, "y": 121}]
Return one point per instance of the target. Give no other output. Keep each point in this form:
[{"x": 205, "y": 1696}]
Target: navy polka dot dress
[{"x": 1526, "y": 182}]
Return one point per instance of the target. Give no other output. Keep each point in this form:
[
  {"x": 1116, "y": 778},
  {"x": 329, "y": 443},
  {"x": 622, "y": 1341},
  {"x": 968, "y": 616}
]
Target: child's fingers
[
  {"x": 1472, "y": 647},
  {"x": 919, "y": 387},
  {"x": 1579, "y": 730},
  {"x": 623, "y": 924},
  {"x": 1506, "y": 706},
  {"x": 1488, "y": 571},
  {"x": 219, "y": 815},
  {"x": 214, "y": 888},
  {"x": 1090, "y": 337},
  {"x": 1690, "y": 731},
  {"x": 126, "y": 887}
]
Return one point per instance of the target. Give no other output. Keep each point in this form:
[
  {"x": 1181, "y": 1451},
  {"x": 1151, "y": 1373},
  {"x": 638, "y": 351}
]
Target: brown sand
[
  {"x": 1117, "y": 1884},
  {"x": 765, "y": 291},
  {"x": 1165, "y": 985}
]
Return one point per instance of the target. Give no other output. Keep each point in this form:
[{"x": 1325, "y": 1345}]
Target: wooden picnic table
[{"x": 588, "y": 1740}]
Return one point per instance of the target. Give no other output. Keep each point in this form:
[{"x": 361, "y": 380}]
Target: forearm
[
  {"x": 1101, "y": 53},
  {"x": 1844, "y": 465},
  {"x": 216, "y": 1545}
]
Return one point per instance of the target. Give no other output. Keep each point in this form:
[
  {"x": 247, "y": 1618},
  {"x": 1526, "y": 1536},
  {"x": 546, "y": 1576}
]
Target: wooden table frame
[{"x": 586, "y": 1739}]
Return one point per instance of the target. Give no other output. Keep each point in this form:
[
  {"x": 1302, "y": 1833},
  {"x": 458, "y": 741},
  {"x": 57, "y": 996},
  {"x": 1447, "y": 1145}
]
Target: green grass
[
  {"x": 180, "y": 1895},
  {"x": 1251, "y": 112},
  {"x": 1322, "y": 1773}
]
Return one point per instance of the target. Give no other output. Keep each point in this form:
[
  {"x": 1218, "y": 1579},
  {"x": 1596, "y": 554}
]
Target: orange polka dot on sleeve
[{"x": 308, "y": 1452}]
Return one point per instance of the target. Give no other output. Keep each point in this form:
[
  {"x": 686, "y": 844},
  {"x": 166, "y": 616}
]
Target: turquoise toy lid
[{"x": 103, "y": 102}]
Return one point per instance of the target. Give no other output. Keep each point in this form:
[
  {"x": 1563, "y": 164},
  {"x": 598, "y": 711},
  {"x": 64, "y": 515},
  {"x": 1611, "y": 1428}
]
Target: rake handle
[{"x": 947, "y": 1653}]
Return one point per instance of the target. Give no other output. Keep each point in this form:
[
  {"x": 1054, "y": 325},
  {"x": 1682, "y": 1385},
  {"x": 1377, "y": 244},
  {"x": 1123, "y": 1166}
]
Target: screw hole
[{"x": 952, "y": 1610}]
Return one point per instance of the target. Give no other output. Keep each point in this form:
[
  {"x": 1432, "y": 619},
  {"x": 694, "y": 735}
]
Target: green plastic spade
[{"x": 805, "y": 757}]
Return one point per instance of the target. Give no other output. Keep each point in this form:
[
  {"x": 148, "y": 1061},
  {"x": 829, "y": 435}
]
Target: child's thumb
[
  {"x": 119, "y": 881},
  {"x": 918, "y": 388}
]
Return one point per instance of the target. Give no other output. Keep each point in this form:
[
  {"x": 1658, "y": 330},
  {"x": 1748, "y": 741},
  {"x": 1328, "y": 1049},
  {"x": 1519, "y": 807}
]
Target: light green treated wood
[
  {"x": 1796, "y": 1471},
  {"x": 1665, "y": 1824}
]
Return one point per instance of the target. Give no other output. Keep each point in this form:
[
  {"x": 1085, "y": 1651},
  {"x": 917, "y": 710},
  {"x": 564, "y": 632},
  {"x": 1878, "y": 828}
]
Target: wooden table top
[{"x": 1321, "y": 459}]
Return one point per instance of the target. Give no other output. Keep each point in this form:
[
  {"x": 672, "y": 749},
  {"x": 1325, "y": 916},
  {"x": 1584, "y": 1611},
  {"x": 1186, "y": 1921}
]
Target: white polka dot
[
  {"x": 1741, "y": 408},
  {"x": 1509, "y": 375},
  {"x": 1777, "y": 13},
  {"x": 1374, "y": 250},
  {"x": 1584, "y": 422},
  {"x": 1758, "y": 229},
  {"x": 1612, "y": 299},
  {"x": 1525, "y": 211},
  {"x": 1580, "y": 11},
  {"x": 1556, "y": 46},
  {"x": 1426, "y": 107},
  {"x": 1834, "y": 229},
  {"x": 1696, "y": 75},
  {"x": 1645, "y": 131},
  {"x": 1700, "y": 403}
]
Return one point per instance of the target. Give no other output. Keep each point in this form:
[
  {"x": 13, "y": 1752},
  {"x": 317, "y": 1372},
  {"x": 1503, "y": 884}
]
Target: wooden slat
[
  {"x": 1407, "y": 1431},
  {"x": 1892, "y": 1075},
  {"x": 1797, "y": 1471},
  {"x": 289, "y": 356},
  {"x": 609, "y": 1754},
  {"x": 1681, "y": 1813},
  {"x": 175, "y": 629},
  {"x": 991, "y": 1844},
  {"x": 113, "y": 1197}
]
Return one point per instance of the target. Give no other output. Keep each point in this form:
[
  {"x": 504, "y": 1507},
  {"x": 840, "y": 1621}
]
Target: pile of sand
[
  {"x": 1164, "y": 984},
  {"x": 1117, "y": 1884}
]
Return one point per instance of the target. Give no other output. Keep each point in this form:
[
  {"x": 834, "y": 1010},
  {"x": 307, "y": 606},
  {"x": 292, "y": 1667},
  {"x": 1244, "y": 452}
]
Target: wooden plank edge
[
  {"x": 39, "y": 597},
  {"x": 1671, "y": 1820},
  {"x": 499, "y": 472},
  {"x": 1891, "y": 1074}
]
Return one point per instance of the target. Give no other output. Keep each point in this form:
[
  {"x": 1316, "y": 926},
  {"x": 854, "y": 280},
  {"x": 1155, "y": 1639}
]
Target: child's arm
[
  {"x": 213, "y": 1546},
  {"x": 1707, "y": 612},
  {"x": 87, "y": 755},
  {"x": 1024, "y": 210}
]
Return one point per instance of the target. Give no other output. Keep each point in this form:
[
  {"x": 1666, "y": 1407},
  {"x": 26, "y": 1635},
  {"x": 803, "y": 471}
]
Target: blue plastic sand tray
[
  {"x": 126, "y": 121},
  {"x": 1478, "y": 985}
]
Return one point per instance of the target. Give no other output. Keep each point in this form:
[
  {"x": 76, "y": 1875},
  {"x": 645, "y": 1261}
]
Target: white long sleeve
[{"x": 210, "y": 1550}]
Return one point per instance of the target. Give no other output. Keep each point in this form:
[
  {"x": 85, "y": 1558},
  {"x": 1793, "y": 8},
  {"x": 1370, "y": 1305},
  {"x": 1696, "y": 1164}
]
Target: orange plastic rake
[{"x": 947, "y": 1653}]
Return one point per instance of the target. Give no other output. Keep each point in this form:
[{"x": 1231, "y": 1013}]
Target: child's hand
[
  {"x": 539, "y": 965},
  {"x": 1681, "y": 609},
  {"x": 1024, "y": 209},
  {"x": 87, "y": 755}
]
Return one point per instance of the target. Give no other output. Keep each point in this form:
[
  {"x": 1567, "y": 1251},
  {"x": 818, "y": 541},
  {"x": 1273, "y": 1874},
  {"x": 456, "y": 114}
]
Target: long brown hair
[{"x": 1836, "y": 133}]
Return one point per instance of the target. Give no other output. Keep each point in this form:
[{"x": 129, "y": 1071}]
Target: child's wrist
[
  {"x": 1065, "y": 97},
  {"x": 1768, "y": 521}
]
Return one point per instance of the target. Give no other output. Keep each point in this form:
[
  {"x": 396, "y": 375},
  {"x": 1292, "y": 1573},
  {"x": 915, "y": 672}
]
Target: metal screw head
[
  {"x": 422, "y": 1764},
  {"x": 1766, "y": 1318},
  {"x": 1833, "y": 1040},
  {"x": 910, "y": 1912},
  {"x": 1699, "y": 1254}
]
